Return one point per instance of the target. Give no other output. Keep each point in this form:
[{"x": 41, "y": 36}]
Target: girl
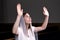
[{"x": 29, "y": 29}]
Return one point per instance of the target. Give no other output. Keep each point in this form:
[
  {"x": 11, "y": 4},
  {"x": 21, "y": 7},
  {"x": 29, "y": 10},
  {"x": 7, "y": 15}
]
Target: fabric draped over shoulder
[{"x": 23, "y": 26}]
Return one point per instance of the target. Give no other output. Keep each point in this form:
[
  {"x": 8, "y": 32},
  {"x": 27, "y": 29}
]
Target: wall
[{"x": 34, "y": 7}]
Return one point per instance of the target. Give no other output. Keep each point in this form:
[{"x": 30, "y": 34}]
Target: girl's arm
[
  {"x": 16, "y": 24},
  {"x": 44, "y": 25}
]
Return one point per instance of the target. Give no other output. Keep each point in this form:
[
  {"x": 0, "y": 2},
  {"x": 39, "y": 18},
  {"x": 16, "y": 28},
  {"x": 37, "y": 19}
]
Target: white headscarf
[{"x": 22, "y": 24}]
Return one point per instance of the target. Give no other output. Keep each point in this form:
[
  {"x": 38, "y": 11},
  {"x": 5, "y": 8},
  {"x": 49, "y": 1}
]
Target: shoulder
[
  {"x": 33, "y": 28},
  {"x": 19, "y": 29}
]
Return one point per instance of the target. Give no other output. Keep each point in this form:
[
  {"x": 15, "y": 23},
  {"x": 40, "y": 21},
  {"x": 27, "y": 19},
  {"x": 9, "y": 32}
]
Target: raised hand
[
  {"x": 19, "y": 10},
  {"x": 45, "y": 11}
]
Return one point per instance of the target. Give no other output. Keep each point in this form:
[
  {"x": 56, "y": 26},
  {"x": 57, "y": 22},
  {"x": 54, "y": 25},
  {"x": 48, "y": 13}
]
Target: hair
[
  {"x": 29, "y": 24},
  {"x": 24, "y": 14}
]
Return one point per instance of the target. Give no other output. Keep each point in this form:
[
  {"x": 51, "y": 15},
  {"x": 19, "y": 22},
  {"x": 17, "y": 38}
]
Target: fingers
[
  {"x": 22, "y": 11},
  {"x": 19, "y": 6},
  {"x": 45, "y": 11},
  {"x": 44, "y": 8},
  {"x": 19, "y": 10}
]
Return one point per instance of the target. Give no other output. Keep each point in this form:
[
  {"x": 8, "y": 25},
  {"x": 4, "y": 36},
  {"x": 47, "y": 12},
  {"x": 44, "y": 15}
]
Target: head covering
[{"x": 22, "y": 24}]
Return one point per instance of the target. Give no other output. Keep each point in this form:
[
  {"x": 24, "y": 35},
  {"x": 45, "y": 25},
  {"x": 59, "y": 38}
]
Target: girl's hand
[
  {"x": 19, "y": 10},
  {"x": 45, "y": 11}
]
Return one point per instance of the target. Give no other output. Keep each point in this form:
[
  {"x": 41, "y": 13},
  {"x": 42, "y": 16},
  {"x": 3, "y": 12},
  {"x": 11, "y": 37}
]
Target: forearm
[
  {"x": 44, "y": 25},
  {"x": 16, "y": 24}
]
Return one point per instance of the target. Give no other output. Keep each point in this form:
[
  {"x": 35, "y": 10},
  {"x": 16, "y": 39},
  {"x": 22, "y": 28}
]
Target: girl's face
[{"x": 27, "y": 18}]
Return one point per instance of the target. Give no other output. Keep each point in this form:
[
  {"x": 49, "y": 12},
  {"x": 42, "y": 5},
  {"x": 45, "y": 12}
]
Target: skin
[{"x": 28, "y": 20}]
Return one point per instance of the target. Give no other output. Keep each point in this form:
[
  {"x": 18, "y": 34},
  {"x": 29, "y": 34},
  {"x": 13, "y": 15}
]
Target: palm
[
  {"x": 19, "y": 10},
  {"x": 45, "y": 11}
]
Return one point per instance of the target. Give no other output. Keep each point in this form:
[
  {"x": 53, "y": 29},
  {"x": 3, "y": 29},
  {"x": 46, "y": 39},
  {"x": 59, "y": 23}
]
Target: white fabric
[{"x": 30, "y": 36}]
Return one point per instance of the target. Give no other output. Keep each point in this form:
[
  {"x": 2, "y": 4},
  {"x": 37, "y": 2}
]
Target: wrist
[
  {"x": 46, "y": 15},
  {"x": 18, "y": 16}
]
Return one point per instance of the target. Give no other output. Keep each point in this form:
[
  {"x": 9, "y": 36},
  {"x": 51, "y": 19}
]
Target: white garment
[{"x": 22, "y": 36}]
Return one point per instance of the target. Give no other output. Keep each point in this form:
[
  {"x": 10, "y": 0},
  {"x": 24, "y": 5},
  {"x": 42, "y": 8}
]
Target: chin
[{"x": 29, "y": 23}]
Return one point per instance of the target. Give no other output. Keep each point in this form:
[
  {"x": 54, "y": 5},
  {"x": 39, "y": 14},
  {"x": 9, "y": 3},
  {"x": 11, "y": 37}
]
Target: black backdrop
[{"x": 34, "y": 7}]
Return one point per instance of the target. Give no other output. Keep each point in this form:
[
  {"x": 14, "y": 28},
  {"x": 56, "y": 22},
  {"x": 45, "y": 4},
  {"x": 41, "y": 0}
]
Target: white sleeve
[
  {"x": 33, "y": 28},
  {"x": 18, "y": 30}
]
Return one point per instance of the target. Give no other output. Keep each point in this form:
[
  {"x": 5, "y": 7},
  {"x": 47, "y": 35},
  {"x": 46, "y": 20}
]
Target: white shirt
[{"x": 22, "y": 36}]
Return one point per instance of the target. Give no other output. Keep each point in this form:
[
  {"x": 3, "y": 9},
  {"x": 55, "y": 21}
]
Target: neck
[{"x": 27, "y": 25}]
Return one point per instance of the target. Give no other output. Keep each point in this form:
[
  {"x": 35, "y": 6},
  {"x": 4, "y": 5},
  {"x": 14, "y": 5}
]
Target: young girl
[{"x": 29, "y": 29}]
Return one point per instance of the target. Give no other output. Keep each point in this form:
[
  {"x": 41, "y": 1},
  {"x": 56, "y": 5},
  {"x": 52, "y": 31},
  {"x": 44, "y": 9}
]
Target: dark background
[{"x": 34, "y": 7}]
